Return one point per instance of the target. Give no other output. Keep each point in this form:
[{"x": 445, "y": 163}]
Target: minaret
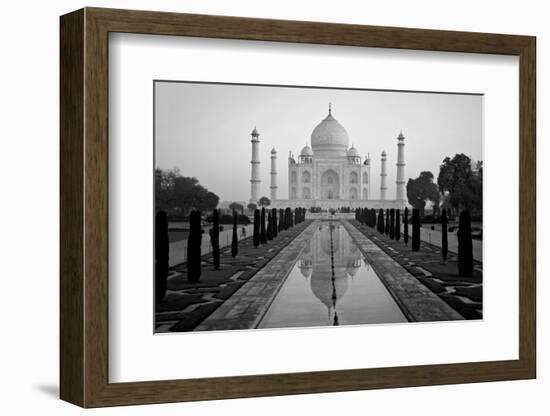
[
  {"x": 255, "y": 167},
  {"x": 400, "y": 194},
  {"x": 383, "y": 175},
  {"x": 273, "y": 187}
]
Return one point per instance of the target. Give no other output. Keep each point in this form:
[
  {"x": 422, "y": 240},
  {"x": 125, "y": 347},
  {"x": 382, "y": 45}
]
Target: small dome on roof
[
  {"x": 255, "y": 132},
  {"x": 306, "y": 151},
  {"x": 352, "y": 152},
  {"x": 383, "y": 153}
]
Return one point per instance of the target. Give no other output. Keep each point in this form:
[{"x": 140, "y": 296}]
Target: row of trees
[
  {"x": 179, "y": 195},
  {"x": 268, "y": 224},
  {"x": 459, "y": 187},
  {"x": 388, "y": 223}
]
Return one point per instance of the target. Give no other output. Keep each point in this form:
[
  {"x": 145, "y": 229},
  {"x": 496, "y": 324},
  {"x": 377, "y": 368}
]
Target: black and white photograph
[{"x": 283, "y": 206}]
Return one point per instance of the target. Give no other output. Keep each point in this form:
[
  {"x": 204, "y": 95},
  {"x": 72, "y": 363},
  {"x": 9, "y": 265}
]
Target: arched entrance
[{"x": 330, "y": 185}]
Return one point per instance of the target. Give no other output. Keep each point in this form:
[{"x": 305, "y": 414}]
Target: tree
[
  {"x": 274, "y": 222},
  {"x": 281, "y": 220},
  {"x": 387, "y": 227},
  {"x": 465, "y": 249},
  {"x": 162, "y": 251},
  {"x": 194, "y": 241},
  {"x": 392, "y": 223},
  {"x": 444, "y": 236},
  {"x": 252, "y": 206},
  {"x": 235, "y": 237},
  {"x": 406, "y": 226},
  {"x": 215, "y": 239},
  {"x": 422, "y": 189},
  {"x": 263, "y": 234},
  {"x": 462, "y": 180},
  {"x": 235, "y": 206},
  {"x": 397, "y": 225},
  {"x": 176, "y": 193},
  {"x": 264, "y": 201},
  {"x": 416, "y": 229},
  {"x": 256, "y": 232}
]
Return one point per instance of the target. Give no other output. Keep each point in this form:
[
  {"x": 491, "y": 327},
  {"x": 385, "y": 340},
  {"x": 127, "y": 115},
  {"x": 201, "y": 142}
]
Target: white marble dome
[{"x": 330, "y": 136}]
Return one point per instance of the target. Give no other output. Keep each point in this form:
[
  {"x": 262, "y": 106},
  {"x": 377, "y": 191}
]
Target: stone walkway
[
  {"x": 464, "y": 294},
  {"x": 186, "y": 305},
  {"x": 417, "y": 302}
]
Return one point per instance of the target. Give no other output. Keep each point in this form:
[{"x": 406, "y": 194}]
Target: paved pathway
[
  {"x": 434, "y": 237},
  {"x": 178, "y": 249}
]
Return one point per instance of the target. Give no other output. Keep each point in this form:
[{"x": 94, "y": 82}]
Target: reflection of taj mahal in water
[
  {"x": 316, "y": 265},
  {"x": 330, "y": 174}
]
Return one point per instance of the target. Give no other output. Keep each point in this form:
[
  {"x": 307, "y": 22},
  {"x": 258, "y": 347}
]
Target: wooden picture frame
[{"x": 84, "y": 207}]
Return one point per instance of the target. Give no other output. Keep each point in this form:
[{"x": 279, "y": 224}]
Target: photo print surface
[{"x": 290, "y": 206}]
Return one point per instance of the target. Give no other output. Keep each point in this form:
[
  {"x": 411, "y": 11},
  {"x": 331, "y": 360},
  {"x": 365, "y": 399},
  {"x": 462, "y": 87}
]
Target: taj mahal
[{"x": 330, "y": 174}]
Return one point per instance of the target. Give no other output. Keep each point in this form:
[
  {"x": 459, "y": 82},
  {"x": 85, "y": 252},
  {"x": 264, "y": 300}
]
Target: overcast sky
[{"x": 204, "y": 130}]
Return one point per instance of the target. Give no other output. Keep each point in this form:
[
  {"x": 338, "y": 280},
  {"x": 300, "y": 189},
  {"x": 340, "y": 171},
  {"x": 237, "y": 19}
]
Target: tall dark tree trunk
[
  {"x": 263, "y": 235},
  {"x": 235, "y": 237},
  {"x": 397, "y": 225},
  {"x": 392, "y": 223},
  {"x": 215, "y": 239},
  {"x": 194, "y": 241},
  {"x": 406, "y": 226},
  {"x": 465, "y": 248},
  {"x": 416, "y": 229},
  {"x": 256, "y": 232},
  {"x": 162, "y": 254},
  {"x": 281, "y": 220},
  {"x": 444, "y": 236},
  {"x": 387, "y": 227}
]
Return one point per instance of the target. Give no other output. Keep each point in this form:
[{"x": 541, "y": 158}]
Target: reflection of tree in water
[{"x": 329, "y": 276}]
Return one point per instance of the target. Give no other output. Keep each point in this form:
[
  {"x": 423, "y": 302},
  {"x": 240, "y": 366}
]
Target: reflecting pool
[{"x": 331, "y": 284}]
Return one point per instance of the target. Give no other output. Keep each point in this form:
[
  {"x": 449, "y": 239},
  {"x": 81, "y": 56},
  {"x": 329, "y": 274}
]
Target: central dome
[{"x": 329, "y": 136}]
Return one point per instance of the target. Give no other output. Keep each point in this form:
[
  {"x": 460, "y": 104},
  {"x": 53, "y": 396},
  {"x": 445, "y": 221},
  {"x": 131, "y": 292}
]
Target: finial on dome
[
  {"x": 329, "y": 108},
  {"x": 255, "y": 132}
]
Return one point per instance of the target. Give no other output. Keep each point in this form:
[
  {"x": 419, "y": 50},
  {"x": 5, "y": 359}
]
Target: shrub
[
  {"x": 392, "y": 223},
  {"x": 215, "y": 240},
  {"x": 194, "y": 241},
  {"x": 397, "y": 225},
  {"x": 162, "y": 250},
  {"x": 465, "y": 249},
  {"x": 274, "y": 224},
  {"x": 263, "y": 234},
  {"x": 235, "y": 237},
  {"x": 269, "y": 232},
  {"x": 381, "y": 221},
  {"x": 256, "y": 232},
  {"x": 416, "y": 229},
  {"x": 406, "y": 226},
  {"x": 444, "y": 236}
]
